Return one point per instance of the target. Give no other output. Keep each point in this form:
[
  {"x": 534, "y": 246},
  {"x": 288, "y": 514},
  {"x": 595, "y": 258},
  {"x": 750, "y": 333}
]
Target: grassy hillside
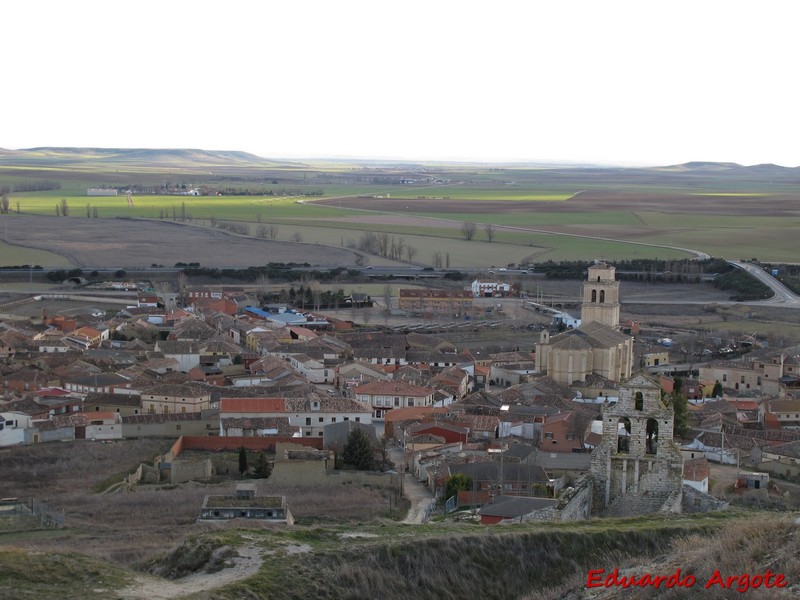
[{"x": 447, "y": 561}]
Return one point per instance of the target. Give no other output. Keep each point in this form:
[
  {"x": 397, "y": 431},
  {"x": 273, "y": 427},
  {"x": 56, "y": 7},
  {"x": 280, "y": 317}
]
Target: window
[
  {"x": 358, "y": 419},
  {"x": 411, "y": 402},
  {"x": 724, "y": 377},
  {"x": 594, "y": 295},
  {"x": 570, "y": 436},
  {"x": 548, "y": 435},
  {"x": 320, "y": 419},
  {"x": 639, "y": 401},
  {"x": 177, "y": 427},
  {"x": 333, "y": 419},
  {"x": 397, "y": 401},
  {"x": 319, "y": 434},
  {"x": 742, "y": 378},
  {"x": 602, "y": 296},
  {"x": 308, "y": 420},
  {"x": 347, "y": 418}
]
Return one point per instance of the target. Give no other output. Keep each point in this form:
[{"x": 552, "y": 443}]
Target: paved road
[
  {"x": 417, "y": 493},
  {"x": 783, "y": 295}
]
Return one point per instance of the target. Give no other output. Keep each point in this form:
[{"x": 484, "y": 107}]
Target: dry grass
[{"x": 129, "y": 529}]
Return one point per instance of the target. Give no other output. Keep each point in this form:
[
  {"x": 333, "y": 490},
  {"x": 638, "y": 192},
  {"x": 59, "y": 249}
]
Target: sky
[{"x": 609, "y": 82}]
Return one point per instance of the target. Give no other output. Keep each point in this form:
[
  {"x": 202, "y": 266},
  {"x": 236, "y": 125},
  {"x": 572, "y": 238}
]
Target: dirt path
[
  {"x": 417, "y": 493},
  {"x": 245, "y": 565}
]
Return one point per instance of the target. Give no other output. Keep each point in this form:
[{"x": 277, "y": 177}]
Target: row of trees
[
  {"x": 469, "y": 229},
  {"x": 385, "y": 245}
]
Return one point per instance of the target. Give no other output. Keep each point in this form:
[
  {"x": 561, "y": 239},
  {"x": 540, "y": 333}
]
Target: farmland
[{"x": 318, "y": 212}]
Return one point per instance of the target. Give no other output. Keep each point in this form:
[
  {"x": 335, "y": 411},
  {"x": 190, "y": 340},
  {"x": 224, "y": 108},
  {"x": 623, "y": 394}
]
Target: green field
[{"x": 728, "y": 214}]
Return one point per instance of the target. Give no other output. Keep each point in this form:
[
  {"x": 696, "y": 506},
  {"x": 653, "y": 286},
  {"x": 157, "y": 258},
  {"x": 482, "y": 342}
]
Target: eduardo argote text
[{"x": 740, "y": 583}]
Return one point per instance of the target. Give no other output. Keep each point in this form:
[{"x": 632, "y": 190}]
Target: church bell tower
[{"x": 601, "y": 297}]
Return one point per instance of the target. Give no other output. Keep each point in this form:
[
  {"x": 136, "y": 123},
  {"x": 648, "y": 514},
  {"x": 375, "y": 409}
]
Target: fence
[{"x": 48, "y": 515}]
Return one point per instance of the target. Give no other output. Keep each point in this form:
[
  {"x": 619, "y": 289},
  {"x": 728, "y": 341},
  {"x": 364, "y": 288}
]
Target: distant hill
[
  {"x": 718, "y": 167},
  {"x": 187, "y": 157}
]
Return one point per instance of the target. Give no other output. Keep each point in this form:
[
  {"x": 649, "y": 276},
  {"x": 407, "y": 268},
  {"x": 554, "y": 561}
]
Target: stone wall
[{"x": 695, "y": 501}]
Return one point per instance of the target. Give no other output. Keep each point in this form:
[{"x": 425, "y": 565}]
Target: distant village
[{"x": 583, "y": 421}]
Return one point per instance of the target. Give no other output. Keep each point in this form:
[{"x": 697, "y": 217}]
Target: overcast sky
[{"x": 617, "y": 82}]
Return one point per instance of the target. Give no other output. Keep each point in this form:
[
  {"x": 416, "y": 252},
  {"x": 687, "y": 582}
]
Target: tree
[
  {"x": 262, "y": 468},
  {"x": 488, "y": 229},
  {"x": 358, "y": 450},
  {"x": 437, "y": 260},
  {"x": 4, "y": 204},
  {"x": 459, "y": 482},
  {"x": 410, "y": 252},
  {"x": 242, "y": 460},
  {"x": 64, "y": 207},
  {"x": 297, "y": 237},
  {"x": 681, "y": 411},
  {"x": 717, "y": 392},
  {"x": 468, "y": 229}
]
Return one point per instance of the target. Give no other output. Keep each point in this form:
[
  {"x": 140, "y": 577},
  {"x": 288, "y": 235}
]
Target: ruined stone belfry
[{"x": 637, "y": 468}]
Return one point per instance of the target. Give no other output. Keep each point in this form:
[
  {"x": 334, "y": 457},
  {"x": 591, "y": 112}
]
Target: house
[
  {"x": 258, "y": 427},
  {"x": 212, "y": 375},
  {"x": 489, "y": 289},
  {"x": 511, "y": 478},
  {"x": 175, "y": 398},
  {"x": 12, "y": 428},
  {"x": 383, "y": 396},
  {"x": 187, "y": 354},
  {"x": 100, "y": 383},
  {"x": 308, "y": 414},
  {"x": 434, "y": 301},
  {"x": 786, "y": 411},
  {"x": 93, "y": 425},
  {"x": 124, "y": 404},
  {"x": 449, "y": 432},
  {"x": 508, "y": 508},
  {"x": 353, "y": 374},
  {"x": 312, "y": 369},
  {"x": 336, "y": 435},
  {"x": 695, "y": 474},
  {"x": 560, "y": 433},
  {"x": 781, "y": 460},
  {"x": 171, "y": 425}
]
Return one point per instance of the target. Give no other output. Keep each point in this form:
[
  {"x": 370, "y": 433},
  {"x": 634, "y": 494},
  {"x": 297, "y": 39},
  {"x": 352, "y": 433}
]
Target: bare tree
[
  {"x": 88, "y": 210},
  {"x": 273, "y": 232},
  {"x": 387, "y": 298},
  {"x": 94, "y": 212},
  {"x": 297, "y": 237},
  {"x": 437, "y": 260},
  {"x": 468, "y": 229},
  {"x": 58, "y": 210},
  {"x": 488, "y": 229},
  {"x": 261, "y": 231},
  {"x": 4, "y": 204},
  {"x": 383, "y": 243},
  {"x": 410, "y": 252},
  {"x": 447, "y": 260},
  {"x": 64, "y": 207}
]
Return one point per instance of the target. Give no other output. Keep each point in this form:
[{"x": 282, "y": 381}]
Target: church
[{"x": 597, "y": 346}]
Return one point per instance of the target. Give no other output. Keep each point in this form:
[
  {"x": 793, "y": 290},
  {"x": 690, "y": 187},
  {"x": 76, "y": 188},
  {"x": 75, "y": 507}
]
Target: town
[{"x": 580, "y": 419}]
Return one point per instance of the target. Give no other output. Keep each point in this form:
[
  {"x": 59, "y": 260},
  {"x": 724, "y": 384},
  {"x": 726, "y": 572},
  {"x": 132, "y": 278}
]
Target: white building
[
  {"x": 12, "y": 428},
  {"x": 484, "y": 289}
]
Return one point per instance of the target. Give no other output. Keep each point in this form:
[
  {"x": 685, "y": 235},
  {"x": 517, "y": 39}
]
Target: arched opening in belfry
[
  {"x": 624, "y": 435},
  {"x": 651, "y": 430},
  {"x": 638, "y": 401},
  {"x": 594, "y": 295},
  {"x": 602, "y": 296}
]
